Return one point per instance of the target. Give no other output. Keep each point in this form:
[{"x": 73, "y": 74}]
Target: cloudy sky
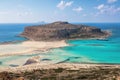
[{"x": 30, "y": 11}]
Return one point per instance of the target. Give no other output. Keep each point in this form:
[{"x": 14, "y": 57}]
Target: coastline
[
  {"x": 34, "y": 47},
  {"x": 78, "y": 69}
]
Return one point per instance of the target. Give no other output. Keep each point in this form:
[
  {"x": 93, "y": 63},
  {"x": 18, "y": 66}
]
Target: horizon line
[{"x": 50, "y": 22}]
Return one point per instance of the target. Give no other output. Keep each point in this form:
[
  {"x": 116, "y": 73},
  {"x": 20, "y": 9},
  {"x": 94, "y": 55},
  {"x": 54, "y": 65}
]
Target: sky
[{"x": 32, "y": 11}]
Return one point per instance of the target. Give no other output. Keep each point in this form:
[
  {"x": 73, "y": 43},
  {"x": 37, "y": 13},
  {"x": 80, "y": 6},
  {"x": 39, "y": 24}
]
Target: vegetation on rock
[
  {"x": 98, "y": 73},
  {"x": 62, "y": 30}
]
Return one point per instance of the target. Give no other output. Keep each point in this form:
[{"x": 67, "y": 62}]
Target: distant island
[{"x": 62, "y": 31}]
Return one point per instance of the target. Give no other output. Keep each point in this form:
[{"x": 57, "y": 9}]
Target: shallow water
[{"x": 80, "y": 51}]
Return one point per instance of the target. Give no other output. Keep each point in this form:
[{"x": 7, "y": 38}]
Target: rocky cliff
[{"x": 61, "y": 31}]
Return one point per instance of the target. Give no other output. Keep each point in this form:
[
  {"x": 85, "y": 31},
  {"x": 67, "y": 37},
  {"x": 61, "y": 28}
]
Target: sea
[{"x": 79, "y": 51}]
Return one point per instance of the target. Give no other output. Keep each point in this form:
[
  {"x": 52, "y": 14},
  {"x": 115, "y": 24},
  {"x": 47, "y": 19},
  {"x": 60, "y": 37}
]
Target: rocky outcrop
[
  {"x": 93, "y": 73},
  {"x": 62, "y": 30},
  {"x": 32, "y": 60}
]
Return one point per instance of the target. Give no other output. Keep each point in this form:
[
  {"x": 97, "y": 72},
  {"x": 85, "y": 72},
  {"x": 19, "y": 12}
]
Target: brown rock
[
  {"x": 20, "y": 78},
  {"x": 62, "y": 30},
  {"x": 32, "y": 60}
]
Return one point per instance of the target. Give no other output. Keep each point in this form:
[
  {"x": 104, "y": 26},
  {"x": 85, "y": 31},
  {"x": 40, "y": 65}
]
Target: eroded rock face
[{"x": 60, "y": 31}]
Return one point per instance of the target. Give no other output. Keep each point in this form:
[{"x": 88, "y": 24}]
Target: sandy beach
[{"x": 28, "y": 47}]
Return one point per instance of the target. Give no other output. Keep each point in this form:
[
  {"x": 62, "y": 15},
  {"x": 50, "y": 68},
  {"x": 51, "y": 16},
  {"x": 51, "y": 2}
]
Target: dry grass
[{"x": 98, "y": 73}]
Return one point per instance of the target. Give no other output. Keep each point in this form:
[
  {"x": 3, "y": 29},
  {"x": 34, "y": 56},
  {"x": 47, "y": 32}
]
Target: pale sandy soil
[{"x": 27, "y": 47}]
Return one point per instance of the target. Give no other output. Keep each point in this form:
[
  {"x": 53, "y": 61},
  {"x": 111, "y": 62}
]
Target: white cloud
[
  {"x": 26, "y": 13},
  {"x": 79, "y": 9},
  {"x": 108, "y": 9},
  {"x": 64, "y": 4},
  {"x": 23, "y": 10},
  {"x": 112, "y": 1},
  {"x": 100, "y": 6}
]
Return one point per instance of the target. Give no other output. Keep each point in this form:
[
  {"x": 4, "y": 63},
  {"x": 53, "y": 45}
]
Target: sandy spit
[{"x": 27, "y": 47}]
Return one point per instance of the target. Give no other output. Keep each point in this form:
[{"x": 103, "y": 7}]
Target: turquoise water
[
  {"x": 99, "y": 51},
  {"x": 79, "y": 51}
]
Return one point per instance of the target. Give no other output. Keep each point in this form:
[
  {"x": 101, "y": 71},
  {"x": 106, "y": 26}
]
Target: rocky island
[{"x": 62, "y": 31}]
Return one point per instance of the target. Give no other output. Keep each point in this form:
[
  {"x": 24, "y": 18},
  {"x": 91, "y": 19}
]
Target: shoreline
[
  {"x": 34, "y": 48},
  {"x": 64, "y": 42}
]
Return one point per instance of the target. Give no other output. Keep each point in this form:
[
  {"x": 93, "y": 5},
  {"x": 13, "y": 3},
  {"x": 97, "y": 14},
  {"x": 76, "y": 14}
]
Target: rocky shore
[
  {"x": 63, "y": 71},
  {"x": 63, "y": 74}
]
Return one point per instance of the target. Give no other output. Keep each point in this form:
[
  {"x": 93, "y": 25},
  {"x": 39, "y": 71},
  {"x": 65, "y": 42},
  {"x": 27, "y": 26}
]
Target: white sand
[{"x": 29, "y": 47}]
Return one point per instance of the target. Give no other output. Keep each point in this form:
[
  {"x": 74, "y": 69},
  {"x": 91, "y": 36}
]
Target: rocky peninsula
[{"x": 62, "y": 31}]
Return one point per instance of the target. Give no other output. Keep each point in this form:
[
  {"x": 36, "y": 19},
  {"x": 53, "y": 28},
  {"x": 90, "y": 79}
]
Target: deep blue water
[
  {"x": 83, "y": 51},
  {"x": 10, "y": 32}
]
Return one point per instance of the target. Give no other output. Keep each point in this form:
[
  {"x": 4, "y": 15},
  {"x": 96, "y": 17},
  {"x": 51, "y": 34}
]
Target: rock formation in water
[
  {"x": 62, "y": 31},
  {"x": 32, "y": 60}
]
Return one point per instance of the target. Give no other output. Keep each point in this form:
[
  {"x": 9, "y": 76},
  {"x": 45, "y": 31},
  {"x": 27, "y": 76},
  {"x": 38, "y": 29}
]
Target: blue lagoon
[{"x": 78, "y": 51}]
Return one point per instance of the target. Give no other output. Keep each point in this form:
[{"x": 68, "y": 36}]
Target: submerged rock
[
  {"x": 13, "y": 65},
  {"x": 46, "y": 59},
  {"x": 95, "y": 45},
  {"x": 61, "y": 31},
  {"x": 68, "y": 59},
  {"x": 0, "y": 62}
]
